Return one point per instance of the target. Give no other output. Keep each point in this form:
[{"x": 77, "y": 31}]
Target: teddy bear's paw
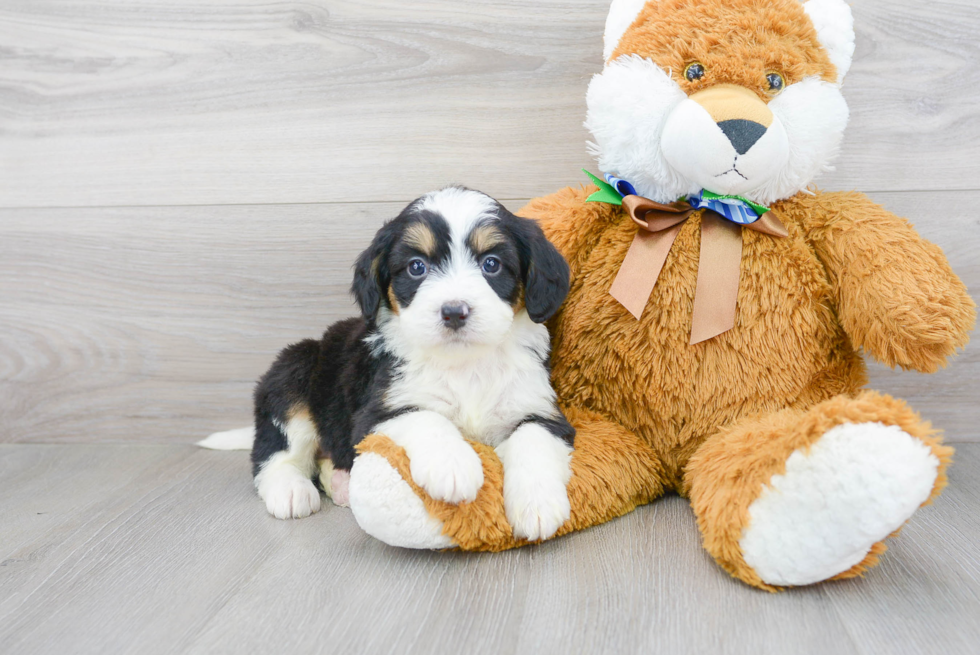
[
  {"x": 537, "y": 468},
  {"x": 288, "y": 494},
  {"x": 441, "y": 462},
  {"x": 852, "y": 488},
  {"x": 385, "y": 506}
]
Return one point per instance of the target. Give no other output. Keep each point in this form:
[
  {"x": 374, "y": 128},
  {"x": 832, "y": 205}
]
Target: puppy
[{"x": 450, "y": 346}]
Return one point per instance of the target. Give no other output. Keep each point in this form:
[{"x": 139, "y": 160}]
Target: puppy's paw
[
  {"x": 537, "y": 468},
  {"x": 448, "y": 470},
  {"x": 441, "y": 461},
  {"x": 287, "y": 493},
  {"x": 535, "y": 508}
]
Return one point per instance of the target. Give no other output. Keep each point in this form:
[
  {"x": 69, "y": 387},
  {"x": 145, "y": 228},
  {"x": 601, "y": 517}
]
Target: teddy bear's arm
[
  {"x": 570, "y": 223},
  {"x": 897, "y": 295}
]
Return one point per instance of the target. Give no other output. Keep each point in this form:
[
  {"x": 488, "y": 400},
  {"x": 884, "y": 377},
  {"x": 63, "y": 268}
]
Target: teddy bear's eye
[
  {"x": 776, "y": 82},
  {"x": 694, "y": 72}
]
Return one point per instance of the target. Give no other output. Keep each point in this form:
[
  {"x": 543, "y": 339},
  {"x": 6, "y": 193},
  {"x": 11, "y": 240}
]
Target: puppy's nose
[
  {"x": 743, "y": 134},
  {"x": 454, "y": 314}
]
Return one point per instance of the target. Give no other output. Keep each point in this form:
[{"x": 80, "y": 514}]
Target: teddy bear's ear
[
  {"x": 622, "y": 13},
  {"x": 835, "y": 29}
]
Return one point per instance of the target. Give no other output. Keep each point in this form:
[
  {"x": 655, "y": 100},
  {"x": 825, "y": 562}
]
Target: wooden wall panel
[{"x": 153, "y": 102}]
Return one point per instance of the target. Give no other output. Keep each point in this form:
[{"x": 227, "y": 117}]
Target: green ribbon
[{"x": 606, "y": 192}]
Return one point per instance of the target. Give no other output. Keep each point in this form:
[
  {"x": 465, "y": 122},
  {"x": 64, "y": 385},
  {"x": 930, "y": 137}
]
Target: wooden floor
[
  {"x": 166, "y": 549},
  {"x": 183, "y": 189}
]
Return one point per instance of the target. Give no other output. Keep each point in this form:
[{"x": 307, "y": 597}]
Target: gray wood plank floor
[{"x": 166, "y": 549}]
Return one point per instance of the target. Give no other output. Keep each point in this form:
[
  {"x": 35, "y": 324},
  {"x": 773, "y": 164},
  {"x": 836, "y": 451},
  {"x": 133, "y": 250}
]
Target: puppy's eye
[
  {"x": 776, "y": 82},
  {"x": 694, "y": 71},
  {"x": 416, "y": 268},
  {"x": 491, "y": 265}
]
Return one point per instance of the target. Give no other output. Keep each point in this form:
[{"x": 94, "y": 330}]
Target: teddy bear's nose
[{"x": 742, "y": 133}]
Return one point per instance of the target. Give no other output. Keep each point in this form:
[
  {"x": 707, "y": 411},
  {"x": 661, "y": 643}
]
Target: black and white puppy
[{"x": 450, "y": 346}]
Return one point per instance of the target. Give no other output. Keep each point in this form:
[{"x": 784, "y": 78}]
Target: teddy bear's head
[{"x": 737, "y": 97}]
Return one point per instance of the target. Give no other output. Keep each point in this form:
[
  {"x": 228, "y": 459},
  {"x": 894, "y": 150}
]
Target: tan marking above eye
[
  {"x": 420, "y": 237},
  {"x": 727, "y": 102},
  {"x": 485, "y": 237}
]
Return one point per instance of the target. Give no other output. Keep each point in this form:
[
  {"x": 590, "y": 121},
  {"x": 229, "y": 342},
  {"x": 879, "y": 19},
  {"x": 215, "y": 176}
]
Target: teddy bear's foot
[
  {"x": 849, "y": 490},
  {"x": 387, "y": 508},
  {"x": 801, "y": 496}
]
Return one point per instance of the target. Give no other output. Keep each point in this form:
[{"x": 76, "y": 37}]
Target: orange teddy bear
[{"x": 709, "y": 344}]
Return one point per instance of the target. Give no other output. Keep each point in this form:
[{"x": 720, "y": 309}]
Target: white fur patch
[
  {"x": 537, "y": 468},
  {"x": 835, "y": 28},
  {"x": 238, "y": 439},
  {"x": 285, "y": 480},
  {"x": 628, "y": 104},
  {"x": 695, "y": 146},
  {"x": 461, "y": 208},
  {"x": 813, "y": 114},
  {"x": 442, "y": 463},
  {"x": 857, "y": 484},
  {"x": 387, "y": 509},
  {"x": 621, "y": 15}
]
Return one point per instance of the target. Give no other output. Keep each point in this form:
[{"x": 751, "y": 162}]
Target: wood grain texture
[
  {"x": 150, "y": 325},
  {"x": 166, "y": 549},
  {"x": 144, "y": 102}
]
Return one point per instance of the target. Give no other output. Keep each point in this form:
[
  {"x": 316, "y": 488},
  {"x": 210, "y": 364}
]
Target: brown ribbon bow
[{"x": 718, "y": 267}]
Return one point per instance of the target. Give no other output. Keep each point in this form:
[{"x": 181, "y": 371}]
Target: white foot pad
[
  {"x": 858, "y": 484},
  {"x": 288, "y": 494},
  {"x": 387, "y": 509}
]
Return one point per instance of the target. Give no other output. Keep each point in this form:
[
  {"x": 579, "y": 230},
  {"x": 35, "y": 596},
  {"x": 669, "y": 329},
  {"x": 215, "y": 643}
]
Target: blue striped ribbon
[{"x": 733, "y": 209}]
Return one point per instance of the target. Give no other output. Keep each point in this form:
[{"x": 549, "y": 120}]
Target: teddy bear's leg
[
  {"x": 613, "y": 471},
  {"x": 802, "y": 496}
]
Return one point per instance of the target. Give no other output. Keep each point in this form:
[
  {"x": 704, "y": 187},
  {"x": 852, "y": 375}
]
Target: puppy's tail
[{"x": 239, "y": 439}]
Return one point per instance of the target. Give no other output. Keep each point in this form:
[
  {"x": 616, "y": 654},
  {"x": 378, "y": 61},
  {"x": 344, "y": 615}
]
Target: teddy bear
[{"x": 711, "y": 343}]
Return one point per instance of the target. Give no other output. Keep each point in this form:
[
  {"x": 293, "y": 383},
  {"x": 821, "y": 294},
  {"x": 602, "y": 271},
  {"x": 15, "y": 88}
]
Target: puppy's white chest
[{"x": 486, "y": 400}]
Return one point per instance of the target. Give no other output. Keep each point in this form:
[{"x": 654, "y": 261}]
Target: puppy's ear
[
  {"x": 544, "y": 270},
  {"x": 371, "y": 274}
]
